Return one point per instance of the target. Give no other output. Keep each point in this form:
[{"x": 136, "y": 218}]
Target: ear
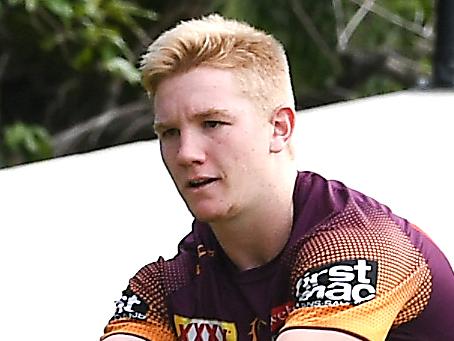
[{"x": 283, "y": 121}]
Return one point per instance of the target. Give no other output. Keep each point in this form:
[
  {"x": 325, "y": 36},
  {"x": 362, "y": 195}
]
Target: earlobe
[{"x": 283, "y": 122}]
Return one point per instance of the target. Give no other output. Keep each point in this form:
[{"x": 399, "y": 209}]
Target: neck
[{"x": 255, "y": 238}]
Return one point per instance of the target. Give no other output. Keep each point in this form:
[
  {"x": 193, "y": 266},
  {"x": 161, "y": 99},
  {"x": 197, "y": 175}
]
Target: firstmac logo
[
  {"x": 346, "y": 282},
  {"x": 196, "y": 329},
  {"x": 130, "y": 305}
]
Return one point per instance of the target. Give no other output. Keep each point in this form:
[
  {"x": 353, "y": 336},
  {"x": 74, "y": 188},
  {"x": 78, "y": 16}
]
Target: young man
[{"x": 274, "y": 253}]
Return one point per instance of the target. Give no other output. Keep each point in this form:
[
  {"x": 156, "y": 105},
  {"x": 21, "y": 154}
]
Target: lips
[{"x": 200, "y": 182}]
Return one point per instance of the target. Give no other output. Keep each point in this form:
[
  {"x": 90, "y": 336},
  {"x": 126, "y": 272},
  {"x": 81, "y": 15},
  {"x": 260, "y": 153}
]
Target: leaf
[
  {"x": 114, "y": 38},
  {"x": 30, "y": 141},
  {"x": 123, "y": 68},
  {"x": 61, "y": 8},
  {"x": 91, "y": 8},
  {"x": 134, "y": 10}
]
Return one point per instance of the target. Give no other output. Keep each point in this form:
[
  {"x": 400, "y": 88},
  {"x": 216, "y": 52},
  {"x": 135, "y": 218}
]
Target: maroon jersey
[{"x": 350, "y": 265}]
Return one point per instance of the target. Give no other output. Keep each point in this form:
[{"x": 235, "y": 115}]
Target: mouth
[{"x": 200, "y": 182}]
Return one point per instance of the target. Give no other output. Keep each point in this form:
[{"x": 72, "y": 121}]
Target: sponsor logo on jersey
[
  {"x": 342, "y": 283},
  {"x": 197, "y": 329},
  {"x": 130, "y": 305},
  {"x": 279, "y": 315}
]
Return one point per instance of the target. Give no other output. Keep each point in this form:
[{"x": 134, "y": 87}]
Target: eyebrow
[
  {"x": 209, "y": 113},
  {"x": 212, "y": 113}
]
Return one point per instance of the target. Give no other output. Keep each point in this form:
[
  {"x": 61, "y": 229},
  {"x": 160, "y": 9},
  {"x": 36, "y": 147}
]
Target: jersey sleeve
[
  {"x": 358, "y": 273},
  {"x": 141, "y": 311}
]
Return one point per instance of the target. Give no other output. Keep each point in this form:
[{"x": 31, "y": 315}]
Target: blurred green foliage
[
  {"x": 310, "y": 68},
  {"x": 86, "y": 33},
  {"x": 63, "y": 62},
  {"x": 308, "y": 31},
  {"x": 24, "y": 143}
]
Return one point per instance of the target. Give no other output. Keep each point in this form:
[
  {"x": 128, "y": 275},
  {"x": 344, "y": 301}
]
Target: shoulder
[
  {"x": 163, "y": 276},
  {"x": 361, "y": 257},
  {"x": 319, "y": 202},
  {"x": 335, "y": 197},
  {"x": 314, "y": 190},
  {"x": 142, "y": 309},
  {"x": 354, "y": 226}
]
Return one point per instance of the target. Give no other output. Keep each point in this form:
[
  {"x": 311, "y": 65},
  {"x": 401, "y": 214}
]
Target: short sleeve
[
  {"x": 359, "y": 273},
  {"x": 141, "y": 310}
]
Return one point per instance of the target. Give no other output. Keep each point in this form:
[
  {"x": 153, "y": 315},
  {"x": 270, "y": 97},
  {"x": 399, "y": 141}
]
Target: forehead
[{"x": 199, "y": 90}]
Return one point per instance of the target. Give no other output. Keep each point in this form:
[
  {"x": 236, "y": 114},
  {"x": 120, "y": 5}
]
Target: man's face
[{"x": 213, "y": 142}]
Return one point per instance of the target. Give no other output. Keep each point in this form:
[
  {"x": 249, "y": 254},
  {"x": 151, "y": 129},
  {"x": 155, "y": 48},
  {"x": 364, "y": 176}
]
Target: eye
[
  {"x": 213, "y": 124},
  {"x": 170, "y": 132}
]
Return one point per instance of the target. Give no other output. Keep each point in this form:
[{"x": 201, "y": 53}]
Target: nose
[{"x": 190, "y": 149}]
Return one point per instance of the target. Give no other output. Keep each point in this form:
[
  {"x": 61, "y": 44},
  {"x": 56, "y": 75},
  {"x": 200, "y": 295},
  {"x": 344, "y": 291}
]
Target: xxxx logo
[{"x": 194, "y": 329}]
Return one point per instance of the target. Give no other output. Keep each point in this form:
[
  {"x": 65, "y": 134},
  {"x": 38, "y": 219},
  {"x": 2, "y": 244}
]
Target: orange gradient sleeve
[
  {"x": 358, "y": 273},
  {"x": 141, "y": 311},
  {"x": 148, "y": 331}
]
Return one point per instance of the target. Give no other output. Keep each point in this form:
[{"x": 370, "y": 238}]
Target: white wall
[{"x": 73, "y": 230}]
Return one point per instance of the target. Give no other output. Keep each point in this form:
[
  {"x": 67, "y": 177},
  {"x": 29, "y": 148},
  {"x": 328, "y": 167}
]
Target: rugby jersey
[{"x": 350, "y": 265}]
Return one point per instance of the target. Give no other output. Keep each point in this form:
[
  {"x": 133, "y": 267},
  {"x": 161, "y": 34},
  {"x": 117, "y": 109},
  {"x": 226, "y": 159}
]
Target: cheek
[{"x": 167, "y": 154}]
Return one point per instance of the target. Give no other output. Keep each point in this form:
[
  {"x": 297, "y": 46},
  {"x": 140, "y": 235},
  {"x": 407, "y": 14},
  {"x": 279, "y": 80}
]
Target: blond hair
[{"x": 257, "y": 59}]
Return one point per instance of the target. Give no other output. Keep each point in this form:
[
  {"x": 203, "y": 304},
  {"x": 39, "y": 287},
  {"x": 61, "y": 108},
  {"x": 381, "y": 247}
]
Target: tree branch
[
  {"x": 353, "y": 24},
  {"x": 339, "y": 17},
  {"x": 425, "y": 32},
  {"x": 85, "y": 136}
]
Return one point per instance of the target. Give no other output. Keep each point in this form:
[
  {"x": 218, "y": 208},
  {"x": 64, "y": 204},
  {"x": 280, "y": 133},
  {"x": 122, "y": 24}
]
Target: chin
[
  {"x": 210, "y": 215},
  {"x": 207, "y": 217}
]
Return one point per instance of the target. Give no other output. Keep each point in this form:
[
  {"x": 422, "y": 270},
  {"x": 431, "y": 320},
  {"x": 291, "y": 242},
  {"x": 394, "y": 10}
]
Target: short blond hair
[{"x": 257, "y": 59}]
